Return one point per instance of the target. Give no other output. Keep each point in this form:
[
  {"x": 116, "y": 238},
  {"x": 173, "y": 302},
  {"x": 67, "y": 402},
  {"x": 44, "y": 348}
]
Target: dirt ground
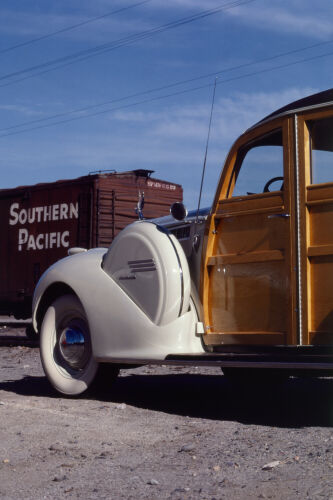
[{"x": 162, "y": 433}]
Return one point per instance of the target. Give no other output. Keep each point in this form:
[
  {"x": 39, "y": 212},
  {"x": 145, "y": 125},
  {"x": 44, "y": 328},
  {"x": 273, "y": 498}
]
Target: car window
[
  {"x": 259, "y": 166},
  {"x": 321, "y": 133}
]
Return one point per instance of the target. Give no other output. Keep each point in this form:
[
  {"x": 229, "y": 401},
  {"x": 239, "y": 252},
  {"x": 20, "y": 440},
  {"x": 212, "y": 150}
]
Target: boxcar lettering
[
  {"x": 42, "y": 241},
  {"x": 42, "y": 214},
  {"x": 39, "y": 211},
  {"x": 47, "y": 213},
  {"x": 13, "y": 214},
  {"x": 22, "y": 238},
  {"x": 74, "y": 211},
  {"x": 64, "y": 239},
  {"x": 31, "y": 243},
  {"x": 23, "y": 216},
  {"x": 55, "y": 212},
  {"x": 31, "y": 215},
  {"x": 63, "y": 211},
  {"x": 39, "y": 241}
]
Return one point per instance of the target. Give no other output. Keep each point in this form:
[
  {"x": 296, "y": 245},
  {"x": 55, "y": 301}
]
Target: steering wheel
[{"x": 268, "y": 183}]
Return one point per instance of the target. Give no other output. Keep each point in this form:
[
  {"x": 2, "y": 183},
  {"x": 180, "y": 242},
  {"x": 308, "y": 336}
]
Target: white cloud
[
  {"x": 22, "y": 109},
  {"x": 288, "y": 19},
  {"x": 289, "y": 16},
  {"x": 31, "y": 25},
  {"x": 232, "y": 115},
  {"x": 171, "y": 142}
]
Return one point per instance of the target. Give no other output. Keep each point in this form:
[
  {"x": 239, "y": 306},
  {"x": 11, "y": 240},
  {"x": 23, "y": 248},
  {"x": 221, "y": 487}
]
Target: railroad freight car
[{"x": 40, "y": 223}]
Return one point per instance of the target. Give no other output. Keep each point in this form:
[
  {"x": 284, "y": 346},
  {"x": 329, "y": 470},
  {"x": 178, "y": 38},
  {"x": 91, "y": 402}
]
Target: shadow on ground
[{"x": 295, "y": 402}]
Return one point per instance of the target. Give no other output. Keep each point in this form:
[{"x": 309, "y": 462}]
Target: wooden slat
[
  {"x": 318, "y": 192},
  {"x": 265, "y": 256},
  {"x": 272, "y": 210},
  {"x": 264, "y": 202},
  {"x": 324, "y": 201},
  {"x": 318, "y": 250}
]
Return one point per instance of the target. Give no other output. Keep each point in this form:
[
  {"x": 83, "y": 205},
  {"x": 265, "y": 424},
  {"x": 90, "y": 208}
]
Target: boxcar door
[{"x": 248, "y": 291}]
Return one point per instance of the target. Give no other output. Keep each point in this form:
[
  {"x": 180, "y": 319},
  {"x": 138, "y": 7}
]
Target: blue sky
[{"x": 167, "y": 134}]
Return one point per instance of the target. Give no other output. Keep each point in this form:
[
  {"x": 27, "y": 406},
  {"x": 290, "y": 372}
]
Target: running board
[{"x": 276, "y": 361}]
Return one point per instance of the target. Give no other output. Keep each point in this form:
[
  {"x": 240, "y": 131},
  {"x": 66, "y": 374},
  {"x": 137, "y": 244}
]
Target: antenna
[{"x": 205, "y": 160}]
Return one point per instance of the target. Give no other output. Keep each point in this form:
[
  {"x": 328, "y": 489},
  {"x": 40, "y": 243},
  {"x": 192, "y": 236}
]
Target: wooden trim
[
  {"x": 325, "y": 201},
  {"x": 245, "y": 338},
  {"x": 262, "y": 202},
  {"x": 320, "y": 250},
  {"x": 255, "y": 196},
  {"x": 264, "y": 210},
  {"x": 323, "y": 185},
  {"x": 234, "y": 258},
  {"x": 305, "y": 180},
  {"x": 227, "y": 172},
  {"x": 291, "y": 256},
  {"x": 315, "y": 114}
]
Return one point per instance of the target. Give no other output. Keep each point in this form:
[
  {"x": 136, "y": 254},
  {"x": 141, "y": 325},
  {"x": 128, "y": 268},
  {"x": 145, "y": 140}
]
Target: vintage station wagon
[{"x": 245, "y": 285}]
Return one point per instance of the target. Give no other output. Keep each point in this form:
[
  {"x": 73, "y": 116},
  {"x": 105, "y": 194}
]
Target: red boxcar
[{"x": 41, "y": 222}]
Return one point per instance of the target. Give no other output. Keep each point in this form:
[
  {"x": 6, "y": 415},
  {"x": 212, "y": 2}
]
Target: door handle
[{"x": 274, "y": 216}]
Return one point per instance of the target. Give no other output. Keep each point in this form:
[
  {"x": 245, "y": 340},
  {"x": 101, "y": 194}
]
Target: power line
[
  {"x": 166, "y": 96},
  {"x": 175, "y": 84},
  {"x": 116, "y": 44},
  {"x": 72, "y": 27}
]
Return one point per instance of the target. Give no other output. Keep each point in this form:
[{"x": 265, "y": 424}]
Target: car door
[
  {"x": 315, "y": 153},
  {"x": 249, "y": 271}
]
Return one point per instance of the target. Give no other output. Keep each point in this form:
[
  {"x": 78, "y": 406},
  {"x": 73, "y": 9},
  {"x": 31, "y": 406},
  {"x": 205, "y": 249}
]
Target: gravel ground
[{"x": 163, "y": 433}]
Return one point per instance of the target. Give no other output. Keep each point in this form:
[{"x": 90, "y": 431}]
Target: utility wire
[
  {"x": 165, "y": 96},
  {"x": 171, "y": 85},
  {"x": 116, "y": 44},
  {"x": 72, "y": 27}
]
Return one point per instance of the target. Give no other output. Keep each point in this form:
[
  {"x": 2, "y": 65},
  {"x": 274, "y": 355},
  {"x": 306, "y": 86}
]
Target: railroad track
[
  {"x": 17, "y": 340},
  {"x": 8, "y": 338}
]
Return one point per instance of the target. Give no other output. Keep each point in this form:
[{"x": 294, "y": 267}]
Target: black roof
[{"x": 306, "y": 102}]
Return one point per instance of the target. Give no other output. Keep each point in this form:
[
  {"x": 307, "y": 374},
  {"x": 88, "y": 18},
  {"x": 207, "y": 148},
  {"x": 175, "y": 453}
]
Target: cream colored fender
[
  {"x": 146, "y": 317},
  {"x": 148, "y": 263}
]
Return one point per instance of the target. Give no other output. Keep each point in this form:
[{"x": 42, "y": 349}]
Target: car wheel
[{"x": 65, "y": 347}]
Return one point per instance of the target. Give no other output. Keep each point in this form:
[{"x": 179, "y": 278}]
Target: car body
[{"x": 245, "y": 284}]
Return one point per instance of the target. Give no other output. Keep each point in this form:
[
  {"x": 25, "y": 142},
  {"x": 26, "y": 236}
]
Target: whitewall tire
[{"x": 65, "y": 347}]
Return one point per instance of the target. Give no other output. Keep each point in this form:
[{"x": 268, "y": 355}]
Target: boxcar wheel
[{"x": 65, "y": 347}]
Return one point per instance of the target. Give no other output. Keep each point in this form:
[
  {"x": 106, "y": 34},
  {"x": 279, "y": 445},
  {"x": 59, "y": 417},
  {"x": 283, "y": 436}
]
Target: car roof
[{"x": 321, "y": 99}]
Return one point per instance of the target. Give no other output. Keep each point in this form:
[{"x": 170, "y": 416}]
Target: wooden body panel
[
  {"x": 316, "y": 259},
  {"x": 247, "y": 278},
  {"x": 320, "y": 264},
  {"x": 268, "y": 267}
]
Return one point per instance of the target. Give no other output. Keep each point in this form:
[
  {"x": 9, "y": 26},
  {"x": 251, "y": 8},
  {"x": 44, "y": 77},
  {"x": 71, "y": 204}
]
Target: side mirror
[{"x": 178, "y": 210}]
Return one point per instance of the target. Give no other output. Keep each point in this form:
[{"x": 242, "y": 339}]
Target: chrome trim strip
[
  {"x": 140, "y": 262},
  {"x": 298, "y": 237},
  {"x": 142, "y": 269},
  {"x": 141, "y": 266}
]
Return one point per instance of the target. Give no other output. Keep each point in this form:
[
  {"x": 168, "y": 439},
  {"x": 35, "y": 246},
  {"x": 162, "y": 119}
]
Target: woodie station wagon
[{"x": 245, "y": 285}]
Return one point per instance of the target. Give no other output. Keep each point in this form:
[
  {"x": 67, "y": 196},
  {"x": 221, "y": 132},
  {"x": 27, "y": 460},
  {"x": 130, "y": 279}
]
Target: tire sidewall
[{"x": 63, "y": 379}]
